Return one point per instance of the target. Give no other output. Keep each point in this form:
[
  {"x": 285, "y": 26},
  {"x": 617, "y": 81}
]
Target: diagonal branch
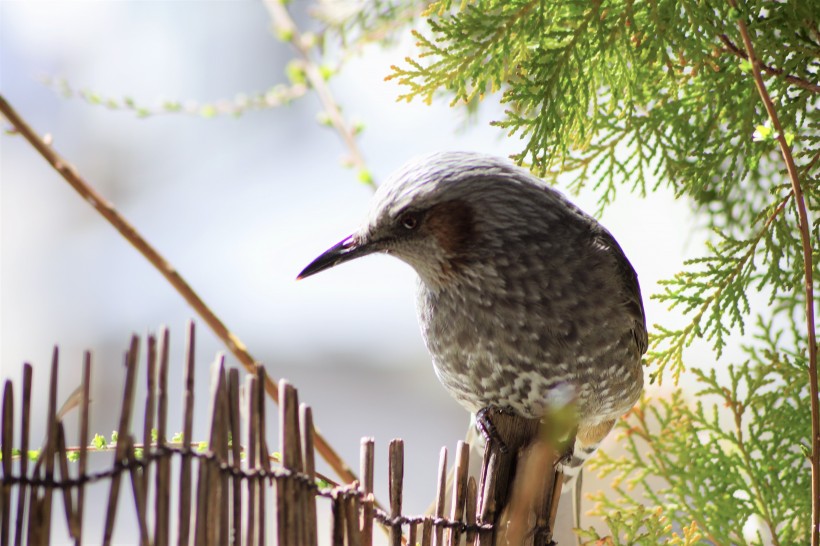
[
  {"x": 127, "y": 230},
  {"x": 284, "y": 24},
  {"x": 805, "y": 239},
  {"x": 799, "y": 82}
]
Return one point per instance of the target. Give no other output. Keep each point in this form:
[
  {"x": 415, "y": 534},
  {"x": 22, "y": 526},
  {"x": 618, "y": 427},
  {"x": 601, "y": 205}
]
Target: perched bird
[{"x": 521, "y": 295}]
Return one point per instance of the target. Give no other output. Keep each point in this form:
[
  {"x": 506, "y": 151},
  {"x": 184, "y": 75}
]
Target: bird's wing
[{"x": 632, "y": 290}]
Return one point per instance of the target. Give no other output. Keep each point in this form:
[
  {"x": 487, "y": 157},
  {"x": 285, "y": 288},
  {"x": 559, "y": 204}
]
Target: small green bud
[
  {"x": 114, "y": 436},
  {"x": 324, "y": 119},
  {"x": 762, "y": 132},
  {"x": 208, "y": 111},
  {"x": 365, "y": 177},
  {"x": 283, "y": 34},
  {"x": 789, "y": 137},
  {"x": 295, "y": 72},
  {"x": 98, "y": 442},
  {"x": 326, "y": 72}
]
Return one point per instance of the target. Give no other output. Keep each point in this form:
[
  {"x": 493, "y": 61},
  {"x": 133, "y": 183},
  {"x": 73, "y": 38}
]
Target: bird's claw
[
  {"x": 566, "y": 458},
  {"x": 487, "y": 428}
]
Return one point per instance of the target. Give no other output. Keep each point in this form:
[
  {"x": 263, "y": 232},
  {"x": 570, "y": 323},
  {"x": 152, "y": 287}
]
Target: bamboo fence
[{"x": 233, "y": 490}]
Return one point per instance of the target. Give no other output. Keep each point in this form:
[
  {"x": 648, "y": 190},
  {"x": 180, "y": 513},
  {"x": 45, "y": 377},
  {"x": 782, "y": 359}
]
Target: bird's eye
[{"x": 409, "y": 221}]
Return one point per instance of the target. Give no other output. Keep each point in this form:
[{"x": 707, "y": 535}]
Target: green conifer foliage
[{"x": 626, "y": 93}]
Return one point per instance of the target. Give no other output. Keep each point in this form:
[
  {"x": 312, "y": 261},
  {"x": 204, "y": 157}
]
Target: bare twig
[
  {"x": 107, "y": 210},
  {"x": 805, "y": 239},
  {"x": 799, "y": 82},
  {"x": 286, "y": 27},
  {"x": 274, "y": 97}
]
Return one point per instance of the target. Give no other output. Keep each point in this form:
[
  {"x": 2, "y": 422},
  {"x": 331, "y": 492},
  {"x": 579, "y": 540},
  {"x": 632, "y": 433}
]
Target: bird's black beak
[{"x": 346, "y": 250}]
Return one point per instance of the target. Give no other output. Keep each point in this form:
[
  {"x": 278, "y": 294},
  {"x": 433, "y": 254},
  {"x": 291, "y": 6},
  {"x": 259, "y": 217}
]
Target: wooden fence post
[
  {"x": 396, "y": 466},
  {"x": 496, "y": 489}
]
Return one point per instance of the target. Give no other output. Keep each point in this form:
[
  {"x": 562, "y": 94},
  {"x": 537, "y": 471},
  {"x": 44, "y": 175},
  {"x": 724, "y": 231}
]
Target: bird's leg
[
  {"x": 484, "y": 424},
  {"x": 566, "y": 458}
]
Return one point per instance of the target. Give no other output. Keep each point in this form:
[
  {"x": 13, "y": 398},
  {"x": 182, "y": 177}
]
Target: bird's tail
[
  {"x": 572, "y": 466},
  {"x": 587, "y": 440}
]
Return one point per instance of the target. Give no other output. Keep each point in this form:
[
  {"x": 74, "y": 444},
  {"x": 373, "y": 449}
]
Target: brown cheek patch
[{"x": 452, "y": 224}]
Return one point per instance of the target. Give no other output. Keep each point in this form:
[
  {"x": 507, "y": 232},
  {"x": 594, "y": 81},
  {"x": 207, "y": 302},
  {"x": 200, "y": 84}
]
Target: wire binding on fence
[{"x": 229, "y": 505}]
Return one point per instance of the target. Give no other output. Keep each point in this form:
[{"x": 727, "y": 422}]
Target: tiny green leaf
[{"x": 99, "y": 441}]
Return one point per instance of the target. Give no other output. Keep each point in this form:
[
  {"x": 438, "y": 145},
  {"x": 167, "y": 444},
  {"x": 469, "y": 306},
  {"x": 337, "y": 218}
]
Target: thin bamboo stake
[
  {"x": 148, "y": 419},
  {"x": 162, "y": 484},
  {"x": 131, "y": 359},
  {"x": 262, "y": 447},
  {"x": 337, "y": 530},
  {"x": 208, "y": 484},
  {"x": 137, "y": 488},
  {"x": 62, "y": 457},
  {"x": 288, "y": 528},
  {"x": 253, "y": 432},
  {"x": 184, "y": 529},
  {"x": 426, "y": 532},
  {"x": 236, "y": 454},
  {"x": 351, "y": 504},
  {"x": 7, "y": 438},
  {"x": 441, "y": 491},
  {"x": 396, "y": 469},
  {"x": 306, "y": 421},
  {"x": 24, "y": 433},
  {"x": 36, "y": 527},
  {"x": 367, "y": 455},
  {"x": 83, "y": 454},
  {"x": 459, "y": 488},
  {"x": 222, "y": 453},
  {"x": 470, "y": 510},
  {"x": 51, "y": 444}
]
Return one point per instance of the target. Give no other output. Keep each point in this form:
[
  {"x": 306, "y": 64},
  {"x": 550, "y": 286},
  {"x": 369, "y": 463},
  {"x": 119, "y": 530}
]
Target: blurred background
[{"x": 238, "y": 205}]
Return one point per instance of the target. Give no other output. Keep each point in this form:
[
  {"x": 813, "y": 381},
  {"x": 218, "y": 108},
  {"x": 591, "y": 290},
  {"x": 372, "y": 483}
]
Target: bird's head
[{"x": 440, "y": 213}]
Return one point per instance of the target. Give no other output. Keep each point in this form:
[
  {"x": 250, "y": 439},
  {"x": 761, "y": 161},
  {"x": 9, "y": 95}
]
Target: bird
[{"x": 522, "y": 297}]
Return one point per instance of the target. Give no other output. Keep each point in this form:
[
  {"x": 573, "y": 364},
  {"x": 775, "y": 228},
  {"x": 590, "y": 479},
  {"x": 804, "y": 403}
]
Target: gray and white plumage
[{"x": 522, "y": 297}]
